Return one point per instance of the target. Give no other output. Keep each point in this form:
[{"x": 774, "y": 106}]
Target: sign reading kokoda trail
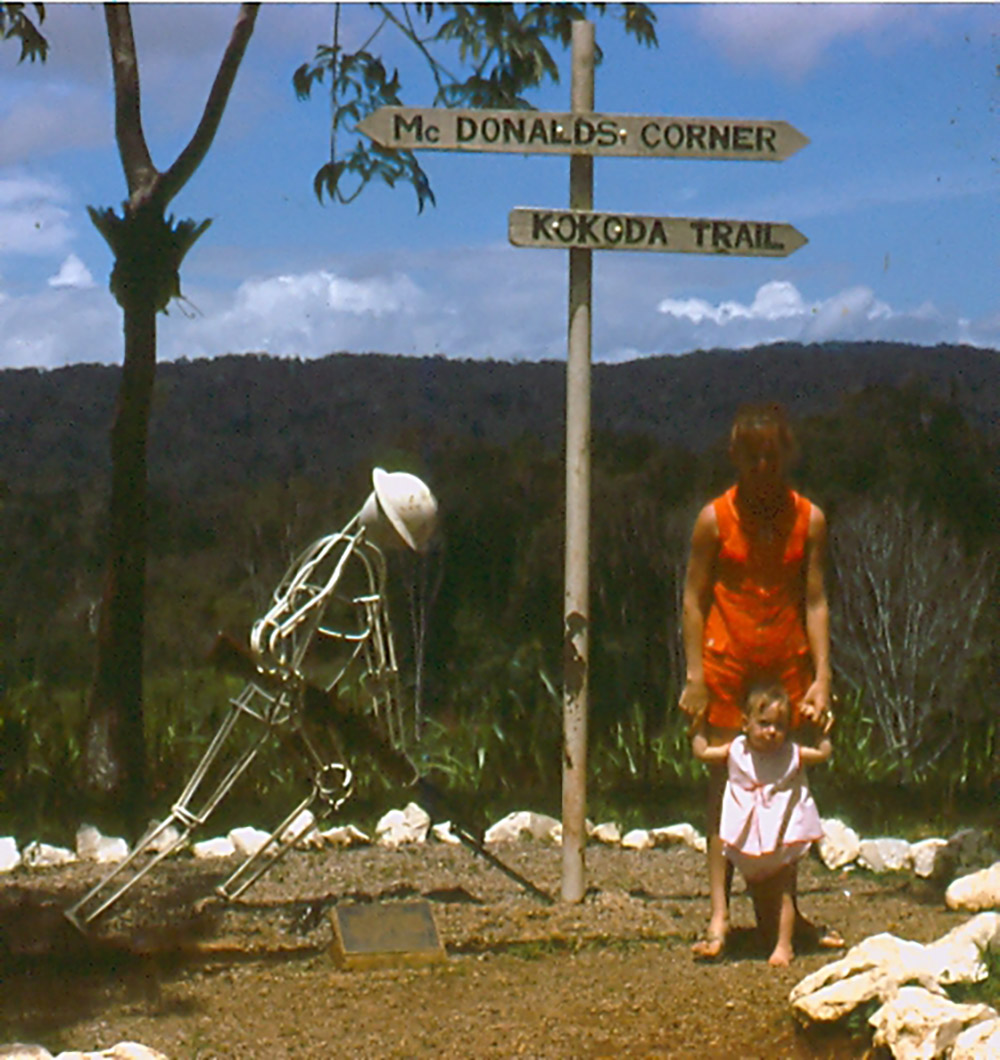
[
  {"x": 538, "y": 132},
  {"x": 583, "y": 229}
]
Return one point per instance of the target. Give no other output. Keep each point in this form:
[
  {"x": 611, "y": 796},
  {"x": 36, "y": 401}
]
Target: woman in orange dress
[{"x": 755, "y": 608}]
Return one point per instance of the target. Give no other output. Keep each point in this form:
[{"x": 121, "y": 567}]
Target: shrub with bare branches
[{"x": 905, "y": 620}]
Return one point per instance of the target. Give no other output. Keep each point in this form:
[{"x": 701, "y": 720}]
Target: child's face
[{"x": 767, "y": 726}]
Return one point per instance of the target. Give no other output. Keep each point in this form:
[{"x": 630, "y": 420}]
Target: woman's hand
[
  {"x": 694, "y": 702},
  {"x": 815, "y": 706}
]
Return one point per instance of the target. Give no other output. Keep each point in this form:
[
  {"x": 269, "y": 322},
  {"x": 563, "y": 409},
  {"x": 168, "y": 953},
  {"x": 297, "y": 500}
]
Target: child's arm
[
  {"x": 706, "y": 753},
  {"x": 813, "y": 756}
]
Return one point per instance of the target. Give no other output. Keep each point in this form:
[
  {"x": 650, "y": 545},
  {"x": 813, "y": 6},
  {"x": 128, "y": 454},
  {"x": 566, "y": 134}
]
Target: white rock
[
  {"x": 958, "y": 956},
  {"x": 121, "y": 1051},
  {"x": 397, "y": 827},
  {"x": 978, "y": 890},
  {"x": 872, "y": 969},
  {"x": 607, "y": 832},
  {"x": 679, "y": 833},
  {"x": 131, "y": 1051},
  {"x": 248, "y": 841},
  {"x": 10, "y": 858},
  {"x": 91, "y": 845},
  {"x": 20, "y": 1051},
  {"x": 303, "y": 825},
  {"x": 927, "y": 856},
  {"x": 978, "y": 1041},
  {"x": 840, "y": 844},
  {"x": 166, "y": 839},
  {"x": 43, "y": 856},
  {"x": 512, "y": 827},
  {"x": 443, "y": 834},
  {"x": 638, "y": 839},
  {"x": 885, "y": 854},
  {"x": 919, "y": 1025},
  {"x": 344, "y": 836},
  {"x": 220, "y": 847}
]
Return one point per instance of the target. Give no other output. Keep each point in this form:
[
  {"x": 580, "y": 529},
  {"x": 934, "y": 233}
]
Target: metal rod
[{"x": 577, "y": 584}]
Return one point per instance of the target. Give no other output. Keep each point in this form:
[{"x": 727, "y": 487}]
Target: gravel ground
[{"x": 609, "y": 977}]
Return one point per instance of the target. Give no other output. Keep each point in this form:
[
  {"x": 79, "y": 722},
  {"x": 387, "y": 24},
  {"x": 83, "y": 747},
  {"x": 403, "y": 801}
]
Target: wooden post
[{"x": 577, "y": 606}]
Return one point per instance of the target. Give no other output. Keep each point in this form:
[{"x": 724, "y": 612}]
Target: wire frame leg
[
  {"x": 282, "y": 839},
  {"x": 252, "y": 702}
]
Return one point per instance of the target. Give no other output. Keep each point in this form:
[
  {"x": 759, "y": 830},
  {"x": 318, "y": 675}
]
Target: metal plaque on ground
[{"x": 376, "y": 935}]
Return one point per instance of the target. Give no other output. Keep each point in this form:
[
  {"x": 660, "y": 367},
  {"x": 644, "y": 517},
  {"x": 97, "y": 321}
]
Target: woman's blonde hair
[{"x": 766, "y": 420}]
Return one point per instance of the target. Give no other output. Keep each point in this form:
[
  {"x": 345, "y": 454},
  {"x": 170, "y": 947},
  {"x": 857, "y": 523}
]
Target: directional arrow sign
[
  {"x": 538, "y": 132},
  {"x": 530, "y": 226}
]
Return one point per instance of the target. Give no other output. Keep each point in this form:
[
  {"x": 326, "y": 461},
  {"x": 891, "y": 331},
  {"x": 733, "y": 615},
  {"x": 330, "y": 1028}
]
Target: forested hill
[{"x": 222, "y": 422}]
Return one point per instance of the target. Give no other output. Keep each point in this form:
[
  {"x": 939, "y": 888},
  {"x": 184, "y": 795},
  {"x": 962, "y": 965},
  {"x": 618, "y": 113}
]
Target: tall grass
[{"x": 494, "y": 745}]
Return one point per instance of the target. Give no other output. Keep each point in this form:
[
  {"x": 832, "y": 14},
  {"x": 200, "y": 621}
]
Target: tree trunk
[{"x": 115, "y": 741}]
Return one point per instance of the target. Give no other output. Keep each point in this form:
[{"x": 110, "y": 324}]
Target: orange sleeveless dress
[{"x": 755, "y": 626}]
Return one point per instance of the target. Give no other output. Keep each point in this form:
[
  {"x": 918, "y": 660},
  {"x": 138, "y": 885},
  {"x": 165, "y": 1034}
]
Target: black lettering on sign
[
  {"x": 744, "y": 237},
  {"x": 400, "y": 127},
  {"x": 635, "y": 230},
  {"x": 613, "y": 230},
  {"x": 742, "y": 138},
  {"x": 538, "y": 133},
  {"x": 607, "y": 132},
  {"x": 490, "y": 130},
  {"x": 585, "y": 227},
  {"x": 700, "y": 227},
  {"x": 433, "y": 134},
  {"x": 513, "y": 130},
  {"x": 465, "y": 129},
  {"x": 558, "y": 134},
  {"x": 657, "y": 233},
  {"x": 649, "y": 134},
  {"x": 583, "y": 132},
  {"x": 540, "y": 226},
  {"x": 570, "y": 232},
  {"x": 765, "y": 138},
  {"x": 718, "y": 137},
  {"x": 696, "y": 137},
  {"x": 764, "y": 239},
  {"x": 722, "y": 232}
]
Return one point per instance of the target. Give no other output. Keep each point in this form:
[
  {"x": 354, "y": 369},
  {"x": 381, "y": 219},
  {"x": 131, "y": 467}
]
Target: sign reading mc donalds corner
[
  {"x": 587, "y": 230},
  {"x": 540, "y": 132}
]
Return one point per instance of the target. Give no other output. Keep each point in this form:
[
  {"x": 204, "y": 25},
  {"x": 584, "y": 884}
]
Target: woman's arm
[
  {"x": 697, "y": 597},
  {"x": 815, "y": 704}
]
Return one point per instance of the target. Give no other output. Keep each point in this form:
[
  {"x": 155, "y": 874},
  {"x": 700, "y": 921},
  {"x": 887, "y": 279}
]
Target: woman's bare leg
[{"x": 720, "y": 871}]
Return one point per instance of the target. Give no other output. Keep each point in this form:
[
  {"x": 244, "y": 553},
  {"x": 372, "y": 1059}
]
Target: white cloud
[
  {"x": 793, "y": 38},
  {"x": 32, "y": 219},
  {"x": 72, "y": 273},
  {"x": 493, "y": 302}
]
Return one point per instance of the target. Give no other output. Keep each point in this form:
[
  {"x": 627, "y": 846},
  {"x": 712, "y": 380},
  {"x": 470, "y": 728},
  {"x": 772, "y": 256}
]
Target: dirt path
[{"x": 610, "y": 977}]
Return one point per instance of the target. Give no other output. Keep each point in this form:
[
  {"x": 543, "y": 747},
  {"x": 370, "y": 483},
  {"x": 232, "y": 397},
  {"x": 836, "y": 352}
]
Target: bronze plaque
[{"x": 369, "y": 935}]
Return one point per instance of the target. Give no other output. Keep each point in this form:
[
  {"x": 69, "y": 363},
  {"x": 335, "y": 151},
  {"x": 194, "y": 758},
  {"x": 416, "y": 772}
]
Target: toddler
[{"x": 769, "y": 819}]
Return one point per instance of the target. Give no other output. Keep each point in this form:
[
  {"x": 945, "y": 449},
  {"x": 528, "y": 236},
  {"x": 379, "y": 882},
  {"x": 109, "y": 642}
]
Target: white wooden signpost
[{"x": 585, "y": 135}]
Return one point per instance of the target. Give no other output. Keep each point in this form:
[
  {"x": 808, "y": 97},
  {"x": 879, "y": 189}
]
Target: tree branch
[
  {"x": 136, "y": 161},
  {"x": 191, "y": 157}
]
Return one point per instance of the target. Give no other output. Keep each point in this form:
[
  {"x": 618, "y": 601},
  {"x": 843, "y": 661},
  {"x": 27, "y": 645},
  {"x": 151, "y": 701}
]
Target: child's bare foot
[
  {"x": 711, "y": 946},
  {"x": 781, "y": 957}
]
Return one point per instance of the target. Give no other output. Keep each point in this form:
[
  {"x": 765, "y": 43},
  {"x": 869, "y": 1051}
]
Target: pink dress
[{"x": 769, "y": 818}]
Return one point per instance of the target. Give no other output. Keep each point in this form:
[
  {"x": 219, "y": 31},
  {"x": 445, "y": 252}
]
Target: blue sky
[{"x": 897, "y": 193}]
